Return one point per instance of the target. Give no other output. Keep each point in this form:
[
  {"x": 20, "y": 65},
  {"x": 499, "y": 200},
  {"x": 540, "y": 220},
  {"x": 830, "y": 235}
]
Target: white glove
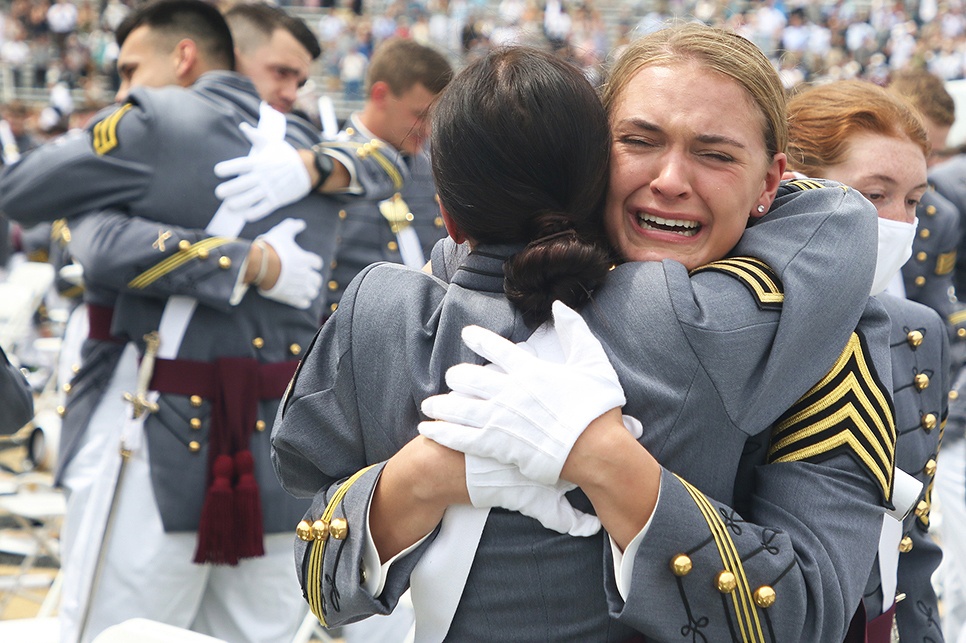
[
  {"x": 271, "y": 176},
  {"x": 494, "y": 484},
  {"x": 531, "y": 414},
  {"x": 299, "y": 279}
]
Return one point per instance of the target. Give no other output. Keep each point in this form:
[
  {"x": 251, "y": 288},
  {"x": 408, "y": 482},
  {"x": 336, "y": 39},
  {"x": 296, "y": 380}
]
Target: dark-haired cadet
[
  {"x": 274, "y": 49},
  {"x": 739, "y": 546},
  {"x": 257, "y": 292}
]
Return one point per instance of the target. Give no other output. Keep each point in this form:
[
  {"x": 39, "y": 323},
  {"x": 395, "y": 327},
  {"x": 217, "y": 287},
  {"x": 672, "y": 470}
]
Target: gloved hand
[
  {"x": 531, "y": 414},
  {"x": 271, "y": 176},
  {"x": 494, "y": 484},
  {"x": 299, "y": 279}
]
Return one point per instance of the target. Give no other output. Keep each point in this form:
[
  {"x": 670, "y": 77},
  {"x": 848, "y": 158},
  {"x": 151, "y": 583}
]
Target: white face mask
[{"x": 895, "y": 248}]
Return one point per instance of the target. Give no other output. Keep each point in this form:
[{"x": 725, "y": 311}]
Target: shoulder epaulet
[
  {"x": 848, "y": 411},
  {"x": 755, "y": 274},
  {"x": 104, "y": 134},
  {"x": 372, "y": 150}
]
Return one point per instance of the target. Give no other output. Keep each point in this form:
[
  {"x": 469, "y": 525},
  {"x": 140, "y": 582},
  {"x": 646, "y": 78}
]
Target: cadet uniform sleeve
[
  {"x": 158, "y": 260},
  {"x": 375, "y": 171},
  {"x": 16, "y": 400},
  {"x": 106, "y": 165},
  {"x": 318, "y": 450}
]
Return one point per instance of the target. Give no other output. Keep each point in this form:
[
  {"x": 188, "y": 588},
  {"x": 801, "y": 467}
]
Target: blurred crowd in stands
[{"x": 69, "y": 44}]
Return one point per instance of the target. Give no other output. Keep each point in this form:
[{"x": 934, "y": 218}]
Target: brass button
[
  {"x": 184, "y": 244},
  {"x": 295, "y": 349},
  {"x": 930, "y": 210},
  {"x": 726, "y": 582},
  {"x": 922, "y": 508},
  {"x": 260, "y": 425},
  {"x": 954, "y": 395},
  {"x": 320, "y": 530},
  {"x": 764, "y": 597},
  {"x": 410, "y": 216},
  {"x": 75, "y": 369},
  {"x": 928, "y": 421},
  {"x": 924, "y": 233},
  {"x": 67, "y": 387},
  {"x": 905, "y": 545},
  {"x": 961, "y": 332},
  {"x": 194, "y": 446},
  {"x": 438, "y": 222},
  {"x": 350, "y": 131},
  {"x": 195, "y": 400},
  {"x": 202, "y": 253},
  {"x": 195, "y": 423},
  {"x": 333, "y": 307},
  {"x": 343, "y": 214},
  {"x": 914, "y": 337},
  {"x": 61, "y": 411},
  {"x": 921, "y": 381},
  {"x": 304, "y": 531},
  {"x": 930, "y": 468},
  {"x": 339, "y": 528},
  {"x": 921, "y": 256},
  {"x": 681, "y": 565},
  {"x": 920, "y": 281},
  {"x": 224, "y": 262},
  {"x": 258, "y": 342},
  {"x": 333, "y": 285},
  {"x": 393, "y": 246}
]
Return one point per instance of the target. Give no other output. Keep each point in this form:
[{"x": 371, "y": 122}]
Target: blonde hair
[
  {"x": 822, "y": 120},
  {"x": 716, "y": 50}
]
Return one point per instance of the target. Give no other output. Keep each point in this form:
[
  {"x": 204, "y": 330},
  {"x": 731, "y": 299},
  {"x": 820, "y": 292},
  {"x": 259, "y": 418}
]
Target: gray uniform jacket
[
  {"x": 708, "y": 364},
  {"x": 920, "y": 385},
  {"x": 366, "y": 235},
  {"x": 152, "y": 159},
  {"x": 16, "y": 399}
]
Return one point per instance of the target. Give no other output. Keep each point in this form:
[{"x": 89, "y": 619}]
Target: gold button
[
  {"x": 409, "y": 216},
  {"x": 928, "y": 421},
  {"x": 921, "y": 380},
  {"x": 764, "y": 597},
  {"x": 194, "y": 446},
  {"x": 195, "y": 423},
  {"x": 905, "y": 545},
  {"x": 922, "y": 508},
  {"x": 343, "y": 214},
  {"x": 258, "y": 342},
  {"x": 924, "y": 233},
  {"x": 304, "y": 531},
  {"x": 921, "y": 256},
  {"x": 914, "y": 337},
  {"x": 438, "y": 222},
  {"x": 224, "y": 262},
  {"x": 681, "y": 565},
  {"x": 184, "y": 244},
  {"x": 930, "y": 210},
  {"x": 393, "y": 246},
  {"x": 195, "y": 400},
  {"x": 320, "y": 530},
  {"x": 930, "y": 468},
  {"x": 339, "y": 528},
  {"x": 920, "y": 280},
  {"x": 61, "y": 411},
  {"x": 295, "y": 349},
  {"x": 260, "y": 425},
  {"x": 333, "y": 285},
  {"x": 67, "y": 387},
  {"x": 75, "y": 369},
  {"x": 350, "y": 131},
  {"x": 333, "y": 307},
  {"x": 726, "y": 582},
  {"x": 961, "y": 332},
  {"x": 954, "y": 395},
  {"x": 202, "y": 253}
]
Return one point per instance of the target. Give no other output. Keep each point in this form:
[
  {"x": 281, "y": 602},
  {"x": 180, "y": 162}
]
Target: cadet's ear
[
  {"x": 451, "y": 227},
  {"x": 773, "y": 179},
  {"x": 187, "y": 67},
  {"x": 379, "y": 92}
]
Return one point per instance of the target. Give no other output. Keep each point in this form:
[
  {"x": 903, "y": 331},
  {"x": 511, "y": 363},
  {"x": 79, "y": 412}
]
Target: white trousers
[
  {"x": 950, "y": 491},
  {"x": 150, "y": 574}
]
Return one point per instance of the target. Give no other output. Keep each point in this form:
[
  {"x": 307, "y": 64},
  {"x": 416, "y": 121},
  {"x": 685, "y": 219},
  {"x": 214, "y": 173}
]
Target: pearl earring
[{"x": 761, "y": 209}]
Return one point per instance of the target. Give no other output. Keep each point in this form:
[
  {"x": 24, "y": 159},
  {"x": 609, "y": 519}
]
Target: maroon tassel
[
  {"x": 248, "y": 508},
  {"x": 216, "y": 543}
]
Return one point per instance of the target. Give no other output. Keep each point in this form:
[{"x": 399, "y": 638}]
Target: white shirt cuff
[
  {"x": 354, "y": 186},
  {"x": 238, "y": 292},
  {"x": 624, "y": 561}
]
